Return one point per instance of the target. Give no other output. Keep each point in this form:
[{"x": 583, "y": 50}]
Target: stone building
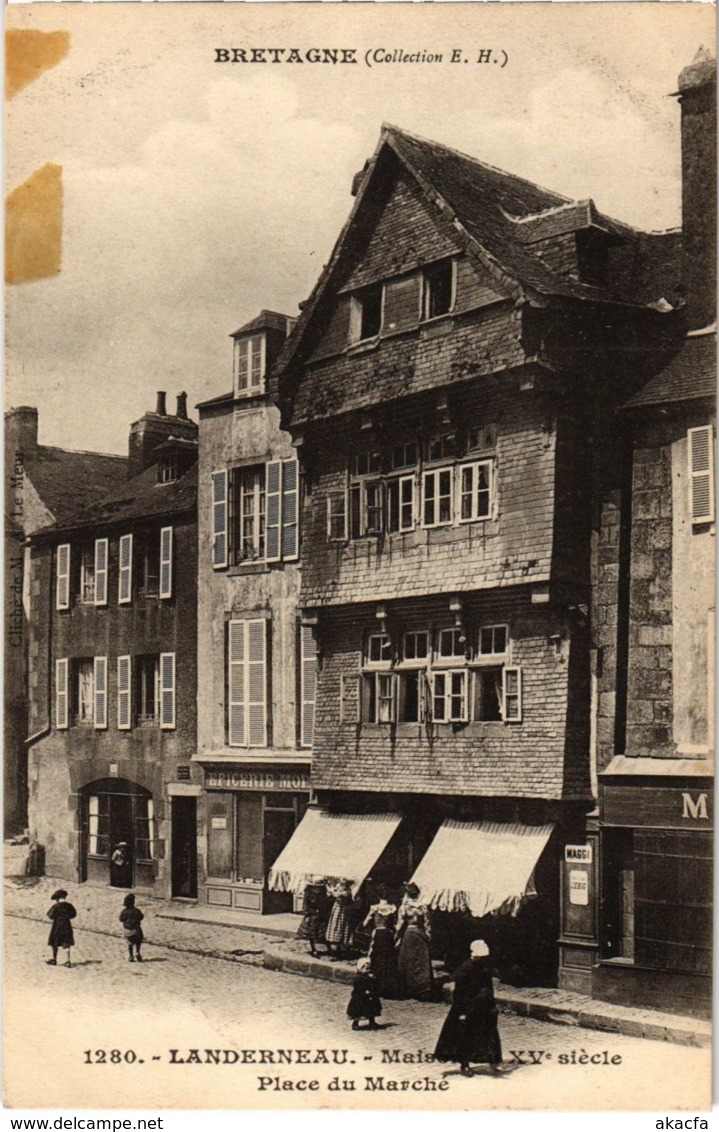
[
  {"x": 448, "y": 382},
  {"x": 43, "y": 484},
  {"x": 655, "y": 633},
  {"x": 256, "y": 663},
  {"x": 113, "y": 702}
]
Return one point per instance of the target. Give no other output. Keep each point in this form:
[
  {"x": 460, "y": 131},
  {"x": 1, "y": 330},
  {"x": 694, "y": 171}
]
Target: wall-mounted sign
[
  {"x": 687, "y": 806},
  {"x": 578, "y": 853},
  {"x": 219, "y": 823},
  {"x": 257, "y": 780},
  {"x": 578, "y": 886}
]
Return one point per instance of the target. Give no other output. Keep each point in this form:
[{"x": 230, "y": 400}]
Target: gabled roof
[
  {"x": 69, "y": 481},
  {"x": 492, "y": 215},
  {"x": 142, "y": 497},
  {"x": 265, "y": 320},
  {"x": 690, "y": 376}
]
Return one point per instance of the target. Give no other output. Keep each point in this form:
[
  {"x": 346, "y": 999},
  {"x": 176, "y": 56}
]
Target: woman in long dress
[
  {"x": 469, "y": 1034},
  {"x": 338, "y": 934},
  {"x": 381, "y": 918},
  {"x": 413, "y": 934},
  {"x": 315, "y": 910}
]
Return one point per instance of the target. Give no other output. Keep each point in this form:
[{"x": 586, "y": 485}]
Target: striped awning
[
  {"x": 332, "y": 846},
  {"x": 481, "y": 867}
]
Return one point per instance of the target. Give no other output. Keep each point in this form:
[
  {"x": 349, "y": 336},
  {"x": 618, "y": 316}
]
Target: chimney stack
[
  {"x": 697, "y": 95},
  {"x": 21, "y": 431},
  {"x": 161, "y": 409},
  {"x": 182, "y": 406},
  {"x": 155, "y": 428}
]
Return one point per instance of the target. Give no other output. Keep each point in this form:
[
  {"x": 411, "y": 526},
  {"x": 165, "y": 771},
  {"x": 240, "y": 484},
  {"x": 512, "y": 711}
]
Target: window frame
[
  {"x": 257, "y": 515},
  {"x": 473, "y": 466},
  {"x": 82, "y": 691},
  {"x": 448, "y": 675},
  {"x": 251, "y": 388},
  {"x": 147, "y": 672},
  {"x": 358, "y": 301},
  {"x": 434, "y": 474},
  {"x": 86, "y": 575},
  {"x": 428, "y": 271}
]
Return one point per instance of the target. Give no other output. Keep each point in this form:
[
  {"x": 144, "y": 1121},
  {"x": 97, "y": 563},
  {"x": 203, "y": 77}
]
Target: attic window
[
  {"x": 437, "y": 287},
  {"x": 593, "y": 257},
  {"x": 168, "y": 468},
  {"x": 366, "y": 313},
  {"x": 249, "y": 365}
]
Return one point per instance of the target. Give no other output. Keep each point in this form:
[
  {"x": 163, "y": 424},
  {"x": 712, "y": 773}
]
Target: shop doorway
[
  {"x": 118, "y": 833},
  {"x": 279, "y": 826},
  {"x": 184, "y": 848}
]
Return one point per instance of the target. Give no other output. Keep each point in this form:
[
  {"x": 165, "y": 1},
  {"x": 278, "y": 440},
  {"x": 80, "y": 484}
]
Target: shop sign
[
  {"x": 578, "y": 887},
  {"x": 681, "y": 807},
  {"x": 578, "y": 853},
  {"x": 257, "y": 780}
]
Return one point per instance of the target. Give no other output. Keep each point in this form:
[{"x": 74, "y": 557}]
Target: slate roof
[
  {"x": 691, "y": 375},
  {"x": 70, "y": 481},
  {"x": 139, "y": 498},
  {"x": 265, "y": 320}
]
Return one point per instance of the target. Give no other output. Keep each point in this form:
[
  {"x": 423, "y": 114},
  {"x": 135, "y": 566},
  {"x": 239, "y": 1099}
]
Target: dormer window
[
  {"x": 437, "y": 289},
  {"x": 250, "y": 355},
  {"x": 593, "y": 257},
  {"x": 168, "y": 468},
  {"x": 366, "y": 313}
]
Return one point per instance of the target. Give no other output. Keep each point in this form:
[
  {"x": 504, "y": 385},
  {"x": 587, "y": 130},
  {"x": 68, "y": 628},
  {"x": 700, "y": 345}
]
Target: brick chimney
[
  {"x": 21, "y": 431},
  {"x": 153, "y": 429},
  {"x": 697, "y": 95}
]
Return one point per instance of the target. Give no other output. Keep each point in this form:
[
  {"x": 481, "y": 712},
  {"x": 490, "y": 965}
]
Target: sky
[{"x": 196, "y": 193}]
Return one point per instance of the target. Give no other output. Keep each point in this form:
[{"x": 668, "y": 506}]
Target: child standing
[
  {"x": 61, "y": 934},
  {"x": 364, "y": 1001},
  {"x": 131, "y": 918}
]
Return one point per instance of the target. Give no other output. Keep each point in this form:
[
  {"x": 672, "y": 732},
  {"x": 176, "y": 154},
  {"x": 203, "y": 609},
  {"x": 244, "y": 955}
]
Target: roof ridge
[{"x": 80, "y": 452}]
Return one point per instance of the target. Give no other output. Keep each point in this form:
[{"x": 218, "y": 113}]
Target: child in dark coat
[
  {"x": 131, "y": 919},
  {"x": 364, "y": 1001},
  {"x": 61, "y": 933}
]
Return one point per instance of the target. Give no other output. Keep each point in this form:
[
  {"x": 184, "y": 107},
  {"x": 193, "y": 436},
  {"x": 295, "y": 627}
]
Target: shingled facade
[{"x": 450, "y": 379}]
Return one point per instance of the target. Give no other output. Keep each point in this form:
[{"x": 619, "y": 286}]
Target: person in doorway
[
  {"x": 61, "y": 933},
  {"x": 382, "y": 918},
  {"x": 469, "y": 1034},
  {"x": 121, "y": 866},
  {"x": 413, "y": 935},
  {"x": 315, "y": 912},
  {"x": 131, "y": 919},
  {"x": 364, "y": 1001},
  {"x": 338, "y": 934}
]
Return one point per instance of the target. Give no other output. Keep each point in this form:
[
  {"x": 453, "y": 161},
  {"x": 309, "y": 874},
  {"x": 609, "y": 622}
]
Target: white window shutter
[
  {"x": 308, "y": 684},
  {"x": 219, "y": 519},
  {"x": 100, "y": 692},
  {"x": 290, "y": 509},
  {"x": 701, "y": 474},
  {"x": 257, "y": 683},
  {"x": 273, "y": 503},
  {"x": 124, "y": 705},
  {"x": 61, "y": 696},
  {"x": 236, "y": 664},
  {"x": 62, "y": 580},
  {"x": 166, "y": 562},
  {"x": 167, "y": 690},
  {"x": 101, "y": 550},
  {"x": 512, "y": 694},
  {"x": 124, "y": 593}
]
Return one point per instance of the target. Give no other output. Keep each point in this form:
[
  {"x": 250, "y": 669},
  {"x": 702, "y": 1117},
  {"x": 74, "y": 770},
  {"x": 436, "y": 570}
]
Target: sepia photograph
[{"x": 360, "y": 383}]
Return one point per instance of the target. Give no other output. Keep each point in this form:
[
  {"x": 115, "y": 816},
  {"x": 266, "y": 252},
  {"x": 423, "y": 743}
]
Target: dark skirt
[
  {"x": 472, "y": 1041},
  {"x": 364, "y": 1002},
  {"x": 339, "y": 925},
  {"x": 134, "y": 935},
  {"x": 61, "y": 933},
  {"x": 415, "y": 965},
  {"x": 383, "y": 957}
]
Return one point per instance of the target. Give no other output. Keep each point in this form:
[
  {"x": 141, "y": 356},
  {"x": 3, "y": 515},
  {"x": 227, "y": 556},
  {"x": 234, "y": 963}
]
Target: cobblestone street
[{"x": 179, "y": 1001}]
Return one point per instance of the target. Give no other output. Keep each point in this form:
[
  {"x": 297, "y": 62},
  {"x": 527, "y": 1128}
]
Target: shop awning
[
  {"x": 332, "y": 845},
  {"x": 481, "y": 867}
]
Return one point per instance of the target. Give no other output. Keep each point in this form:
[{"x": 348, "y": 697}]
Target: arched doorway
[{"x": 118, "y": 833}]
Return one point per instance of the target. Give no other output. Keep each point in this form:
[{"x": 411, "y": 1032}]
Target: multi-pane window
[
  {"x": 250, "y": 364},
  {"x": 475, "y": 491},
  {"x": 147, "y": 689},
  {"x": 83, "y": 691},
  {"x": 400, "y": 504},
  {"x": 449, "y": 696},
  {"x": 489, "y": 705},
  {"x": 437, "y": 497},
  {"x": 148, "y": 565},
  {"x": 86, "y": 577},
  {"x": 437, "y": 289},
  {"x": 404, "y": 455},
  {"x": 416, "y": 646},
  {"x": 451, "y": 644},
  {"x": 168, "y": 468},
  {"x": 379, "y": 648},
  {"x": 443, "y": 446},
  {"x": 98, "y": 831},
  {"x": 250, "y": 513},
  {"x": 255, "y": 514}
]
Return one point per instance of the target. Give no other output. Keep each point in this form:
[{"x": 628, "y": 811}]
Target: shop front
[
  {"x": 251, "y": 816},
  {"x": 118, "y": 842},
  {"x": 656, "y": 821}
]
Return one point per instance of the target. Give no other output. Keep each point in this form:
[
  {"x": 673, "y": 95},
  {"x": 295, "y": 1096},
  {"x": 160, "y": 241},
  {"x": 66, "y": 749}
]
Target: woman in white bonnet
[{"x": 469, "y": 1034}]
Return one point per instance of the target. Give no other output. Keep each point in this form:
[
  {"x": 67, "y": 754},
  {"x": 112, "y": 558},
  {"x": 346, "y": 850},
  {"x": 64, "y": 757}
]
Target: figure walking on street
[
  {"x": 131, "y": 919},
  {"x": 364, "y": 1001},
  {"x": 382, "y": 918},
  {"x": 315, "y": 911},
  {"x": 61, "y": 933},
  {"x": 339, "y": 926},
  {"x": 413, "y": 934},
  {"x": 469, "y": 1034}
]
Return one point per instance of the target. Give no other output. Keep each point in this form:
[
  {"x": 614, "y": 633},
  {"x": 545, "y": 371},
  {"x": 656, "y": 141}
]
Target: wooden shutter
[
  {"x": 100, "y": 692},
  {"x": 290, "y": 509},
  {"x": 308, "y": 684},
  {"x": 62, "y": 580},
  {"x": 124, "y": 705},
  {"x": 256, "y": 683},
  {"x": 512, "y": 694},
  {"x": 701, "y": 474},
  {"x": 61, "y": 668},
  {"x": 167, "y": 690},
  {"x": 101, "y": 545},
  {"x": 124, "y": 594},
  {"x": 236, "y": 707},
  {"x": 219, "y": 519},
  {"x": 273, "y": 502},
  {"x": 166, "y": 562}
]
